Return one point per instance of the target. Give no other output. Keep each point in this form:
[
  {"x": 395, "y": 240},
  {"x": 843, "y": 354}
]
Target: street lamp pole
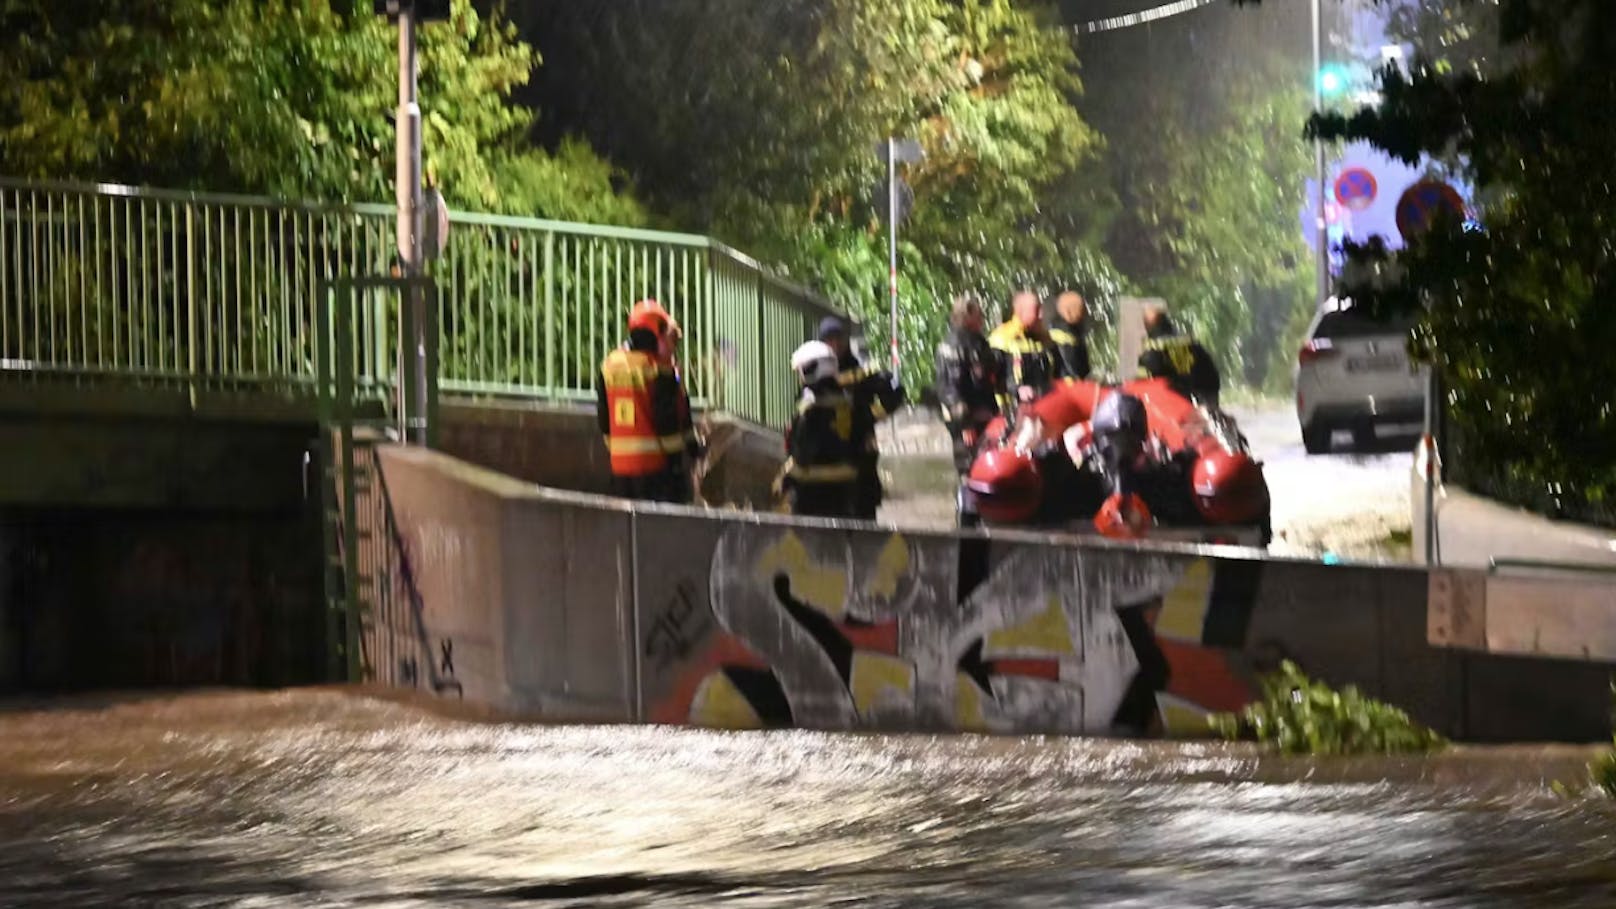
[
  {"x": 411, "y": 372},
  {"x": 892, "y": 244},
  {"x": 1321, "y": 234}
]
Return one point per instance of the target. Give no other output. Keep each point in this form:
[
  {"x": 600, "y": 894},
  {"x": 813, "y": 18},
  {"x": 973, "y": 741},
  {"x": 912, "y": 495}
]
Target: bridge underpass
[{"x": 167, "y": 504}]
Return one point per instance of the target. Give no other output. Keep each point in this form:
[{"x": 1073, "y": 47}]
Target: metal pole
[
  {"x": 892, "y": 242},
  {"x": 407, "y": 193},
  {"x": 1323, "y": 263},
  {"x": 1428, "y": 442}
]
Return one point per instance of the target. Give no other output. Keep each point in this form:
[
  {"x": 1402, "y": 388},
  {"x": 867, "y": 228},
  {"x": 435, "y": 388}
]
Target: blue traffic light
[{"x": 1332, "y": 79}]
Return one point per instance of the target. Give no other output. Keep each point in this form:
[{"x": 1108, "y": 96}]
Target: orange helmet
[
  {"x": 648, "y": 315},
  {"x": 1007, "y": 486},
  {"x": 1123, "y": 518},
  {"x": 1228, "y": 487}
]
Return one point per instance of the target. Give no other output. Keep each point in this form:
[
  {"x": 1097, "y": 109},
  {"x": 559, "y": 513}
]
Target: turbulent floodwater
[{"x": 318, "y": 798}]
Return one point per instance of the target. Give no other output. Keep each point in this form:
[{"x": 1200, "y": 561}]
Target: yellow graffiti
[
  {"x": 718, "y": 704},
  {"x": 968, "y": 715},
  {"x": 875, "y": 674},
  {"x": 1048, "y": 632},
  {"x": 1183, "y": 614},
  {"x": 890, "y": 568},
  {"x": 823, "y": 588}
]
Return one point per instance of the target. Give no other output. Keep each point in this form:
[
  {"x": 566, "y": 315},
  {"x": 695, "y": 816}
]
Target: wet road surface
[
  {"x": 1351, "y": 505},
  {"x": 317, "y": 798}
]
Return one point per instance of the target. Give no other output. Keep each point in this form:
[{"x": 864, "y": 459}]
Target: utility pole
[
  {"x": 894, "y": 150},
  {"x": 1320, "y": 229},
  {"x": 407, "y": 195},
  {"x": 892, "y": 244},
  {"x": 412, "y": 340}
]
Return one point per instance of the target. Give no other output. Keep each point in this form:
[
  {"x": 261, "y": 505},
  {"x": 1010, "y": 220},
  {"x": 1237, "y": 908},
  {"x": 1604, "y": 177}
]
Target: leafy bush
[
  {"x": 1602, "y": 772},
  {"x": 1297, "y": 715}
]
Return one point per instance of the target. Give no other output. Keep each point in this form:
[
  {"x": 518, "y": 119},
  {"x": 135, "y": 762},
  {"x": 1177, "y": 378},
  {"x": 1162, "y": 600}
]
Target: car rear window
[{"x": 1355, "y": 323}]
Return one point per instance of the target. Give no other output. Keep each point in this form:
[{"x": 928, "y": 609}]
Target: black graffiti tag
[{"x": 673, "y": 634}]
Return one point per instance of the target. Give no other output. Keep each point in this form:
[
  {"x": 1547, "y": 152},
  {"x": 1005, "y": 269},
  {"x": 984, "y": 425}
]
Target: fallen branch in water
[{"x": 1297, "y": 715}]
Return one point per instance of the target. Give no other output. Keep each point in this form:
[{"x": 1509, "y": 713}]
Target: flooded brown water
[{"x": 320, "y": 798}]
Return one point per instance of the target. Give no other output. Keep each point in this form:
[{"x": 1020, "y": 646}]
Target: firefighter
[
  {"x": 1178, "y": 358},
  {"x": 876, "y": 394},
  {"x": 968, "y": 379},
  {"x": 644, "y": 415},
  {"x": 1030, "y": 364},
  {"x": 821, "y": 475},
  {"x": 668, "y": 357},
  {"x": 1068, "y": 329}
]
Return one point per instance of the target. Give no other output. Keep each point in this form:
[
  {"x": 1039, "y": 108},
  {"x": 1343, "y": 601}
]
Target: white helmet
[{"x": 814, "y": 362}]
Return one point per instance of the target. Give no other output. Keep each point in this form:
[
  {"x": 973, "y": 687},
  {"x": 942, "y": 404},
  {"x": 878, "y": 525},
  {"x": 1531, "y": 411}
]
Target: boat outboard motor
[{"x": 1121, "y": 428}]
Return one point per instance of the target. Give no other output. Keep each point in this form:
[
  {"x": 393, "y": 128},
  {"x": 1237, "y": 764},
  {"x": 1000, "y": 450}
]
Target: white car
[{"x": 1353, "y": 373}]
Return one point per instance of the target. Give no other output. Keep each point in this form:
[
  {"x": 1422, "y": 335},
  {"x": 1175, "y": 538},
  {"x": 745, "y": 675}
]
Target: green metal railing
[{"x": 116, "y": 284}]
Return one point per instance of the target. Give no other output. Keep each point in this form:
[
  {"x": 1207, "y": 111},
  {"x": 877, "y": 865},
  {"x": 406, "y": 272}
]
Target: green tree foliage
[
  {"x": 1208, "y": 166},
  {"x": 758, "y": 121},
  {"x": 1519, "y": 319},
  {"x": 282, "y": 97}
]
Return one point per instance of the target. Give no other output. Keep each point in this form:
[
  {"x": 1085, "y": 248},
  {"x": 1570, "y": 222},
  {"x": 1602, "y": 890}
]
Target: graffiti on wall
[{"x": 854, "y": 629}]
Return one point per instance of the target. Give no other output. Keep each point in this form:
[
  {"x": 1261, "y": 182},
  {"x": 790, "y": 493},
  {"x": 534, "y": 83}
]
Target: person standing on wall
[
  {"x": 644, "y": 415},
  {"x": 968, "y": 379},
  {"x": 1178, "y": 358},
  {"x": 1029, "y": 361},
  {"x": 1068, "y": 329},
  {"x": 876, "y": 394},
  {"x": 821, "y": 473}
]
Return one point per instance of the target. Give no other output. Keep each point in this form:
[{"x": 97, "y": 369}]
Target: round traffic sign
[
  {"x": 1356, "y": 188},
  {"x": 1421, "y": 202}
]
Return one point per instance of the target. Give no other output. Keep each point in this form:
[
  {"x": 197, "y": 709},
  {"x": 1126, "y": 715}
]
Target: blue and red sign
[
  {"x": 1356, "y": 189},
  {"x": 1420, "y": 203}
]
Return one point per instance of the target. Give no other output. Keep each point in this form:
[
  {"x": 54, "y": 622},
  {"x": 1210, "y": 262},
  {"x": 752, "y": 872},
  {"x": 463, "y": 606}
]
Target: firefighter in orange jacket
[{"x": 641, "y": 411}]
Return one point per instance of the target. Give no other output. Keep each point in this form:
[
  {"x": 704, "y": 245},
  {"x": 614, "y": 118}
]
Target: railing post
[
  {"x": 762, "y": 354},
  {"x": 549, "y": 312},
  {"x": 430, "y": 313},
  {"x": 190, "y": 301}
]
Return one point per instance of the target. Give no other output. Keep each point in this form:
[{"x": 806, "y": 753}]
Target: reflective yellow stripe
[
  {"x": 1013, "y": 339},
  {"x": 1062, "y": 337},
  {"x": 634, "y": 446},
  {"x": 672, "y": 444},
  {"x": 630, "y": 369},
  {"x": 830, "y": 473}
]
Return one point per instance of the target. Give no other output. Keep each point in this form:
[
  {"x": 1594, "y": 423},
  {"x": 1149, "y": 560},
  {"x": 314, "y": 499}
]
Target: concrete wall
[
  {"x": 1472, "y": 530},
  {"x": 515, "y": 596},
  {"x": 720, "y": 619},
  {"x": 560, "y": 447},
  {"x": 86, "y": 461}
]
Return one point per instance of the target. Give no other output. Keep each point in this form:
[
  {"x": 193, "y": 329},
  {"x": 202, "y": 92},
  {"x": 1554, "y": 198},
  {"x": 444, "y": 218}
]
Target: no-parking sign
[
  {"x": 1356, "y": 189},
  {"x": 1421, "y": 202}
]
